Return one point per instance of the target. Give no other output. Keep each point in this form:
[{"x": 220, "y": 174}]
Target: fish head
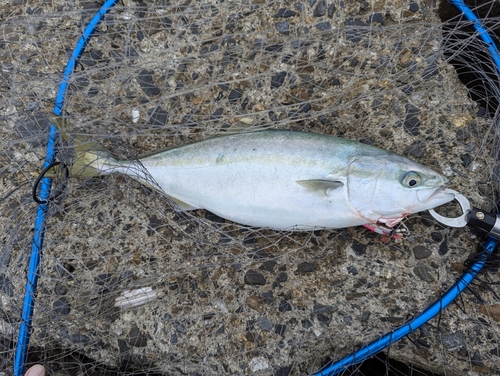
[{"x": 388, "y": 187}]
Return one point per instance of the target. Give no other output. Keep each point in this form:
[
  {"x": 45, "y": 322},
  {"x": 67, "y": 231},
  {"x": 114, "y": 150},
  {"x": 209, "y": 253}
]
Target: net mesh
[{"x": 132, "y": 284}]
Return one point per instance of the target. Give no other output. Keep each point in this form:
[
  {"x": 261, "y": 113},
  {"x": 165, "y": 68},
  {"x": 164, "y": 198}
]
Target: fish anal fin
[
  {"x": 320, "y": 186},
  {"x": 182, "y": 204}
]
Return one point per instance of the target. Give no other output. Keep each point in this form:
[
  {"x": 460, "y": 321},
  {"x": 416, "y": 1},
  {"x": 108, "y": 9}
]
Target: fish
[{"x": 281, "y": 179}]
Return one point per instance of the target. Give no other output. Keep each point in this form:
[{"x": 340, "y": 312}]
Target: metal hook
[
  {"x": 460, "y": 221},
  {"x": 39, "y": 179}
]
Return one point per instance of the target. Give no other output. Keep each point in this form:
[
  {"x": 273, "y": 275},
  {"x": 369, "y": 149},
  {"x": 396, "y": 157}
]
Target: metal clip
[{"x": 460, "y": 221}]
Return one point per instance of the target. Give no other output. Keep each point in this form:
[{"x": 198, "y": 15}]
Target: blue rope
[
  {"x": 450, "y": 295},
  {"x": 31, "y": 283},
  {"x": 45, "y": 185},
  {"x": 483, "y": 33},
  {"x": 78, "y": 51}
]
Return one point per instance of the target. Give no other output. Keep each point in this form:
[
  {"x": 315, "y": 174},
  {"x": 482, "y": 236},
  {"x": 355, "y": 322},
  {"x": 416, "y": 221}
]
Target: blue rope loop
[
  {"x": 45, "y": 187},
  {"x": 21, "y": 354}
]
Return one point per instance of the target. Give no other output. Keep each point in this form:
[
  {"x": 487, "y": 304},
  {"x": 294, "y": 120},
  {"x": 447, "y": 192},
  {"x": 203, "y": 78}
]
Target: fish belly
[{"x": 256, "y": 196}]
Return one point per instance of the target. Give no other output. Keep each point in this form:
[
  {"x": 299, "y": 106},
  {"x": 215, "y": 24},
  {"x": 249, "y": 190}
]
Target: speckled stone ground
[{"x": 232, "y": 300}]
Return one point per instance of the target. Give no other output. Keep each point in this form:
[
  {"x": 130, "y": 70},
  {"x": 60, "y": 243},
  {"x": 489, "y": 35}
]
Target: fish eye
[{"x": 411, "y": 179}]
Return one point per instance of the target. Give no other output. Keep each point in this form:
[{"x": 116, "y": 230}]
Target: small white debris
[
  {"x": 135, "y": 115},
  {"x": 127, "y": 16},
  {"x": 221, "y": 305},
  {"x": 447, "y": 171},
  {"x": 135, "y": 298},
  {"x": 258, "y": 364},
  {"x": 317, "y": 332}
]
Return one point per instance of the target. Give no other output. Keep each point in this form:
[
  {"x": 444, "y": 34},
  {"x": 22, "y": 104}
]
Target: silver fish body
[{"x": 289, "y": 180}]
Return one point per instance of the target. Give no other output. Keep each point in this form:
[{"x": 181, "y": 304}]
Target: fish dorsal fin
[
  {"x": 320, "y": 186},
  {"x": 245, "y": 125}
]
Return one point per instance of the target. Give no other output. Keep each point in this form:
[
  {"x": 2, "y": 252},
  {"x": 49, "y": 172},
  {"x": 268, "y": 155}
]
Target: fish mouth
[
  {"x": 437, "y": 197},
  {"x": 436, "y": 192}
]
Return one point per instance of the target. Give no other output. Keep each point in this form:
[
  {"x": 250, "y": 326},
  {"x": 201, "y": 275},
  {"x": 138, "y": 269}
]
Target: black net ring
[{"x": 39, "y": 179}]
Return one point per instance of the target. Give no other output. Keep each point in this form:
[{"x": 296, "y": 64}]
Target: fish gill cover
[{"x": 132, "y": 284}]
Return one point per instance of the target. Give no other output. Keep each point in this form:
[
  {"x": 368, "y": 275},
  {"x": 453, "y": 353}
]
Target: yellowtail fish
[{"x": 283, "y": 180}]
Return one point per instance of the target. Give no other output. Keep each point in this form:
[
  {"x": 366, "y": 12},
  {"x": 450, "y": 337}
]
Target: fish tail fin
[{"x": 91, "y": 158}]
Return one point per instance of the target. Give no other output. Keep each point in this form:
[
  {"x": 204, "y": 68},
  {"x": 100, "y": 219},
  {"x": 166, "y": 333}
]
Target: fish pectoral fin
[
  {"x": 182, "y": 204},
  {"x": 320, "y": 186}
]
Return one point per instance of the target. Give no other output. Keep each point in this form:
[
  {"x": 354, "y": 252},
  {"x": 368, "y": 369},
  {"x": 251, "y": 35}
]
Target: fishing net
[{"x": 132, "y": 284}]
